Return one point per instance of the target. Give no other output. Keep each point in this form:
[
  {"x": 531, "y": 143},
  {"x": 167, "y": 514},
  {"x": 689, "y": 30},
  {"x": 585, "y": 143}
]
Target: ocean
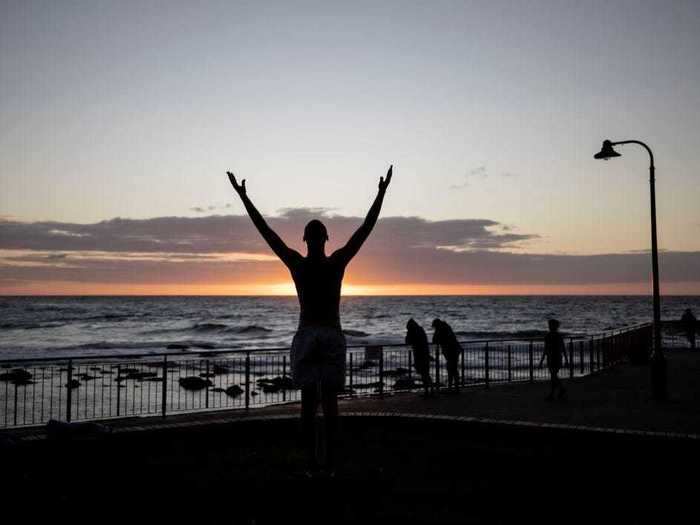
[{"x": 58, "y": 327}]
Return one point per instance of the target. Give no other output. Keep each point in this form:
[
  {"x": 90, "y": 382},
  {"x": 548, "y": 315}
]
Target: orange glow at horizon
[{"x": 349, "y": 289}]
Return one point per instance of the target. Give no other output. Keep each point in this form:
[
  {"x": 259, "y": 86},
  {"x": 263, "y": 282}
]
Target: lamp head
[{"x": 606, "y": 152}]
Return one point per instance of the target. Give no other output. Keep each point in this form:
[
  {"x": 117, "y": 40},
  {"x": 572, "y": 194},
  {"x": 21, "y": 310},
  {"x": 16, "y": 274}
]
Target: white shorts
[{"x": 318, "y": 355}]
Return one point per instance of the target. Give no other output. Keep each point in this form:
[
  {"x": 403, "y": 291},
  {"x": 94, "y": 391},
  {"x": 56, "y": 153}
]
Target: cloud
[
  {"x": 228, "y": 249},
  {"x": 210, "y": 208},
  {"x": 480, "y": 172},
  {"x": 235, "y": 233}
]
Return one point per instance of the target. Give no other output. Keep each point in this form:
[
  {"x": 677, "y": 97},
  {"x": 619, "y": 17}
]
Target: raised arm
[
  {"x": 347, "y": 252},
  {"x": 286, "y": 254}
]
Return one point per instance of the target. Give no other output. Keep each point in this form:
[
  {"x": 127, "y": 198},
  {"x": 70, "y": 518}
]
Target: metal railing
[
  {"x": 674, "y": 334},
  {"x": 33, "y": 391}
]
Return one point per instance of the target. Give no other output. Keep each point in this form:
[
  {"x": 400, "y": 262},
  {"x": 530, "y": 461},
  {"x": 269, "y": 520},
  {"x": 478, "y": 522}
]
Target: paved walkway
[{"x": 616, "y": 400}]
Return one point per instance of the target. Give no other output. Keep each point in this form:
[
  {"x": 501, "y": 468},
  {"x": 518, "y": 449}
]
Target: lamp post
[{"x": 658, "y": 361}]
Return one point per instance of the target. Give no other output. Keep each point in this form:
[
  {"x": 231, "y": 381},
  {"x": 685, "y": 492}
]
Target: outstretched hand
[
  {"x": 384, "y": 183},
  {"x": 240, "y": 188}
]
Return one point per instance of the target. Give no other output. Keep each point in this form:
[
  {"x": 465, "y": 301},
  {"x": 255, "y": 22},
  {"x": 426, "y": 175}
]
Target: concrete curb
[{"x": 40, "y": 434}]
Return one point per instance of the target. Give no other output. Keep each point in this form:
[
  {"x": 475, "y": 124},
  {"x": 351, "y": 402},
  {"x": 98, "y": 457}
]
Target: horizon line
[{"x": 363, "y": 295}]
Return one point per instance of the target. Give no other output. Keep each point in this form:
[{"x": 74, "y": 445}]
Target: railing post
[
  {"x": 351, "y": 374},
  {"x": 486, "y": 365},
  {"x": 510, "y": 373},
  {"x": 119, "y": 389},
  {"x": 206, "y": 377},
  {"x": 590, "y": 355},
  {"x": 410, "y": 365},
  {"x": 580, "y": 356},
  {"x": 15, "y": 411},
  {"x": 531, "y": 364},
  {"x": 437, "y": 368},
  {"x": 284, "y": 375},
  {"x": 612, "y": 348},
  {"x": 247, "y": 380},
  {"x": 571, "y": 357},
  {"x": 381, "y": 371},
  {"x": 164, "y": 394},
  {"x": 462, "y": 355},
  {"x": 69, "y": 393},
  {"x": 604, "y": 351}
]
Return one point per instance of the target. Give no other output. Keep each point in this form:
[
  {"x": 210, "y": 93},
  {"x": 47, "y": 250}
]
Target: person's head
[
  {"x": 553, "y": 325},
  {"x": 411, "y": 326},
  {"x": 315, "y": 235},
  {"x": 437, "y": 323}
]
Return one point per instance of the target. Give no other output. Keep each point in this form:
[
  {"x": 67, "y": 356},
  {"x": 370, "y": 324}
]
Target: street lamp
[{"x": 658, "y": 362}]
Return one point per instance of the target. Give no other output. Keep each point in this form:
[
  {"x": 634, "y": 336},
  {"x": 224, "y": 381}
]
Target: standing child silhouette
[
  {"x": 318, "y": 348},
  {"x": 554, "y": 349}
]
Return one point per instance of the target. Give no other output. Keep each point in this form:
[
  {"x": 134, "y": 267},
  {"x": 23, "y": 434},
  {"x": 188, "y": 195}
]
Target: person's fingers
[{"x": 243, "y": 184}]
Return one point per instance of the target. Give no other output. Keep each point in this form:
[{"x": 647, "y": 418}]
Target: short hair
[
  {"x": 315, "y": 229},
  {"x": 553, "y": 324}
]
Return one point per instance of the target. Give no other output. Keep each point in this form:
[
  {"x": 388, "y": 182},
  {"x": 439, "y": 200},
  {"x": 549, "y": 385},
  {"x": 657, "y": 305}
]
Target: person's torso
[
  {"x": 419, "y": 341},
  {"x": 447, "y": 340},
  {"x": 318, "y": 283},
  {"x": 552, "y": 347}
]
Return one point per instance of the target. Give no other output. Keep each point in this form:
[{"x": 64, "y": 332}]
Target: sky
[{"x": 118, "y": 121}]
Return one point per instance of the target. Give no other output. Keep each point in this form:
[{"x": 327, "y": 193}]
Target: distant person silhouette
[
  {"x": 446, "y": 339},
  {"x": 554, "y": 349},
  {"x": 418, "y": 341},
  {"x": 318, "y": 348},
  {"x": 689, "y": 324}
]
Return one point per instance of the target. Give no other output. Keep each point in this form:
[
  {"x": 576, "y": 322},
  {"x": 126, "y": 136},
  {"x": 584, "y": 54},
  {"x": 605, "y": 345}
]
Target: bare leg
[
  {"x": 552, "y": 383},
  {"x": 309, "y": 404},
  {"x": 329, "y": 400},
  {"x": 427, "y": 386},
  {"x": 562, "y": 390}
]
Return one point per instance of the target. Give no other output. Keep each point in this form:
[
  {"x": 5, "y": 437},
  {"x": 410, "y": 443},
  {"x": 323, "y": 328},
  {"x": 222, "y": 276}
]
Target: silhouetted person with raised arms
[
  {"x": 554, "y": 349},
  {"x": 318, "y": 348},
  {"x": 417, "y": 339},
  {"x": 446, "y": 339},
  {"x": 689, "y": 324}
]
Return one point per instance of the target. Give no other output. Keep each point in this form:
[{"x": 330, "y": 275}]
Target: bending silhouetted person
[
  {"x": 446, "y": 339},
  {"x": 418, "y": 340},
  {"x": 554, "y": 349},
  {"x": 689, "y": 324},
  {"x": 318, "y": 348}
]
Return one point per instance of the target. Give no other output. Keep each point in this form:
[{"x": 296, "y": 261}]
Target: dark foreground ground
[
  {"x": 392, "y": 470},
  {"x": 229, "y": 467}
]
